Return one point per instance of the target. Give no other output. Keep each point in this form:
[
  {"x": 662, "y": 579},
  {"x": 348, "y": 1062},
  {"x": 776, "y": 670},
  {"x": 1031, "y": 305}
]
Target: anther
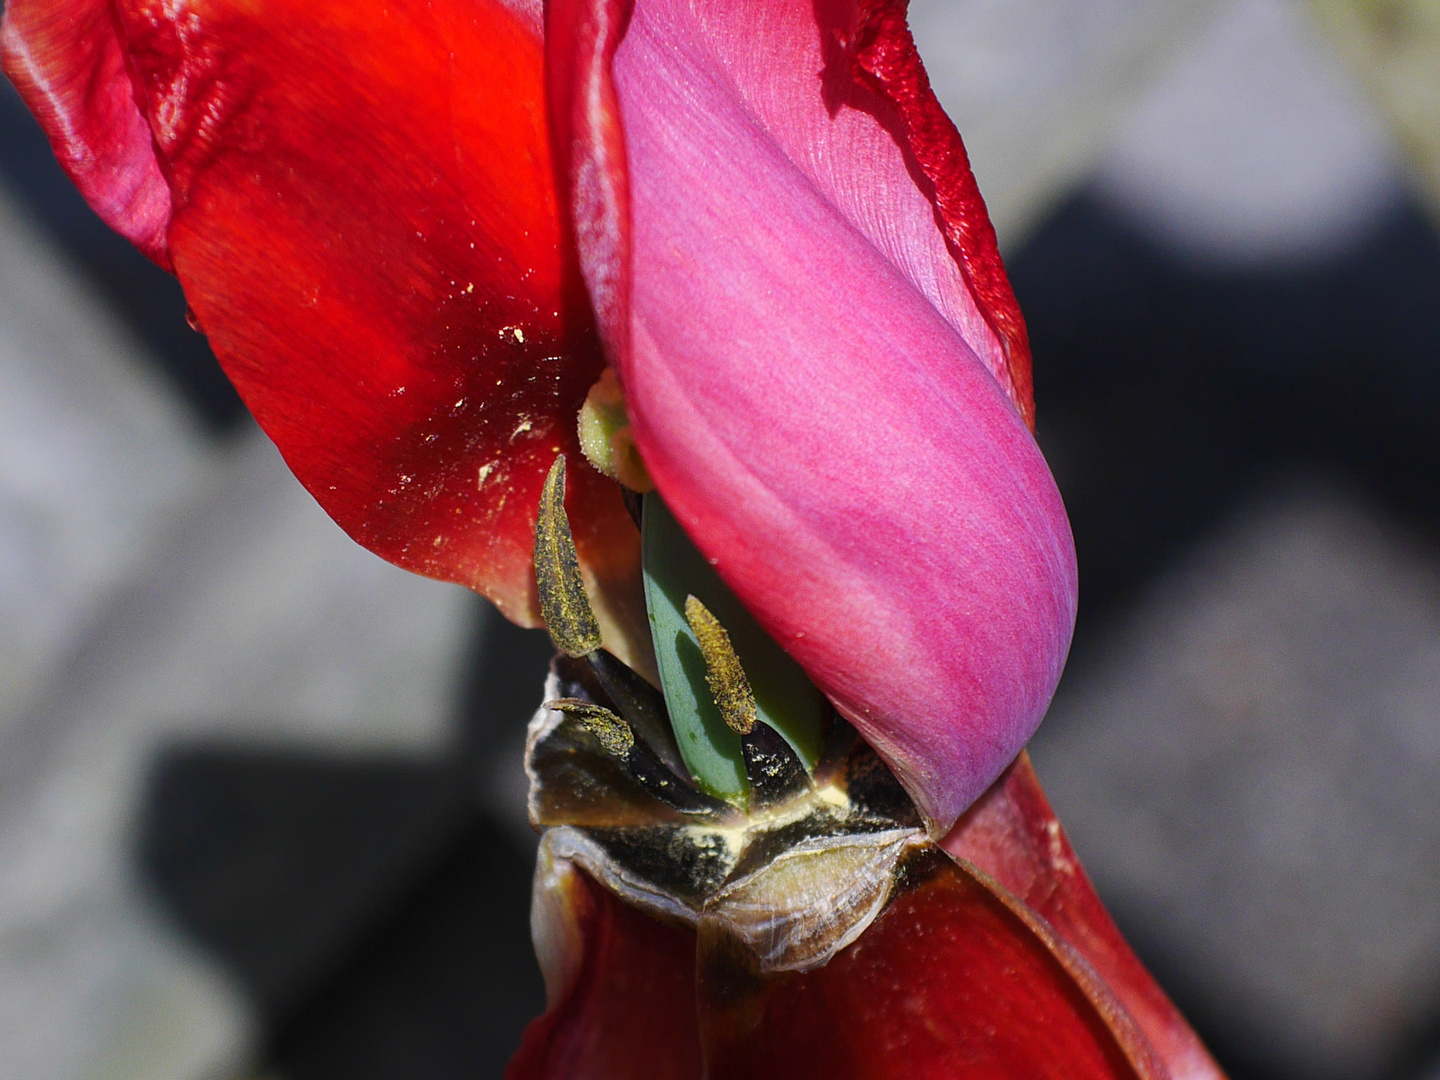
[
  {"x": 641, "y": 762},
  {"x": 728, "y": 683},
  {"x": 568, "y": 615},
  {"x": 642, "y": 706},
  {"x": 611, "y": 731}
]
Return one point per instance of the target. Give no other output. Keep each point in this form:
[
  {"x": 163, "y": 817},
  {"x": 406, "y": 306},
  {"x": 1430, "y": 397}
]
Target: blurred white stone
[
  {"x": 258, "y": 621},
  {"x": 1250, "y": 769},
  {"x": 1037, "y": 87},
  {"x": 1257, "y": 146}
]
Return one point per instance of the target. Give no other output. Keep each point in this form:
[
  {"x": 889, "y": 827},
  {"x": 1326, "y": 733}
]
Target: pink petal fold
[
  {"x": 822, "y": 376},
  {"x": 67, "y": 60}
]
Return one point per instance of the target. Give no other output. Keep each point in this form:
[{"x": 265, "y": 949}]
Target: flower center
[{"x": 735, "y": 797}]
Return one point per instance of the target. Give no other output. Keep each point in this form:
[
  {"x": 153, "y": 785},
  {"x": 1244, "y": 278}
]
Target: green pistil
[{"x": 785, "y": 699}]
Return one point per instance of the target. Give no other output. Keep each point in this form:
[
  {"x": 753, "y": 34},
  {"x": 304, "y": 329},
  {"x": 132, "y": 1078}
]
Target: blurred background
[{"x": 260, "y": 793}]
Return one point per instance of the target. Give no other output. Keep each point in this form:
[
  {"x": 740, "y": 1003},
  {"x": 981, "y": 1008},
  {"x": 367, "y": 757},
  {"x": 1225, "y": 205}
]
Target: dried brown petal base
[{"x": 954, "y": 979}]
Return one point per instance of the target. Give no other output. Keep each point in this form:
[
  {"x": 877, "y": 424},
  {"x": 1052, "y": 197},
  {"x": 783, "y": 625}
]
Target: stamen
[
  {"x": 568, "y": 616},
  {"x": 785, "y": 699},
  {"x": 775, "y": 773},
  {"x": 614, "y": 734},
  {"x": 642, "y": 706},
  {"x": 641, "y": 762},
  {"x": 723, "y": 671}
]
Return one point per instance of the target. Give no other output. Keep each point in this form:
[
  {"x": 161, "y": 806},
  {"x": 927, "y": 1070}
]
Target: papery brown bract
[
  {"x": 954, "y": 980},
  {"x": 358, "y": 198},
  {"x": 951, "y": 982}
]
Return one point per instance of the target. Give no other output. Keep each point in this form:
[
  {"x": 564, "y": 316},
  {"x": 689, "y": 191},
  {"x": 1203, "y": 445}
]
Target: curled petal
[
  {"x": 360, "y": 205},
  {"x": 1013, "y": 835},
  {"x": 825, "y": 372}
]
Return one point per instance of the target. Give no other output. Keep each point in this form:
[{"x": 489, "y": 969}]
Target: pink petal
[
  {"x": 66, "y": 59},
  {"x": 824, "y": 399}
]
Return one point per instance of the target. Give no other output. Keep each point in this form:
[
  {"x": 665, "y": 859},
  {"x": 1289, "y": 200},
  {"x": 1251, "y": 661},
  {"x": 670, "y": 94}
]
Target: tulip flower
[{"x": 416, "y": 234}]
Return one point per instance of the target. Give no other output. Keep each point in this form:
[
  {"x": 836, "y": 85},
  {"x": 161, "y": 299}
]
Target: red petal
[
  {"x": 65, "y": 58},
  {"x": 1012, "y": 834},
  {"x": 629, "y": 1013},
  {"x": 366, "y": 226},
  {"x": 949, "y": 983}
]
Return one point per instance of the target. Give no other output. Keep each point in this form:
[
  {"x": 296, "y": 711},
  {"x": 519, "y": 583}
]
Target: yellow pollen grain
[{"x": 728, "y": 683}]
